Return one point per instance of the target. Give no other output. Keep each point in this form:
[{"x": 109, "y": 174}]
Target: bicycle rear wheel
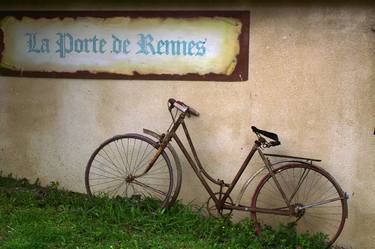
[
  {"x": 317, "y": 200},
  {"x": 113, "y": 164}
]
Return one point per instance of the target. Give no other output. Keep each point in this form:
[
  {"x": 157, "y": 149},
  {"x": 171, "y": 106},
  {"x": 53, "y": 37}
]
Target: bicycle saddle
[{"x": 268, "y": 134}]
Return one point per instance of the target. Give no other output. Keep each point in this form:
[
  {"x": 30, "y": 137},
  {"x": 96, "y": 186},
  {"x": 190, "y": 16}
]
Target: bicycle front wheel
[
  {"x": 113, "y": 165},
  {"x": 317, "y": 201}
]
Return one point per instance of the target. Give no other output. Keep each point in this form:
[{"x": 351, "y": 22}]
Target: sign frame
[{"x": 240, "y": 72}]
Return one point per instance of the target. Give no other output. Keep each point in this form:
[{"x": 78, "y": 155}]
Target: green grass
[{"x": 35, "y": 217}]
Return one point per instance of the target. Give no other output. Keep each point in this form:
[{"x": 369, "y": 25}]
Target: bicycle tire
[
  {"x": 303, "y": 184},
  {"x": 117, "y": 158}
]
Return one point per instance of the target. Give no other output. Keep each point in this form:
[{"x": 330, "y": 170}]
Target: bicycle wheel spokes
[
  {"x": 112, "y": 166},
  {"x": 315, "y": 198}
]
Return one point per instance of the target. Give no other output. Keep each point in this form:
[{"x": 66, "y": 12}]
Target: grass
[{"x": 36, "y": 217}]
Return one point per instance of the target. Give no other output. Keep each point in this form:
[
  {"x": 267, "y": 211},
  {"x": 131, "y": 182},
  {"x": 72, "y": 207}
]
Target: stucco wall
[{"x": 311, "y": 80}]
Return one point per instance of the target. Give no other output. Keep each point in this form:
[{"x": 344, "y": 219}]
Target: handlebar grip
[{"x": 193, "y": 112}]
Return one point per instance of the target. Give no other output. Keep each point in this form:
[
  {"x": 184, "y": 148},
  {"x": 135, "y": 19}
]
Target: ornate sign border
[{"x": 240, "y": 72}]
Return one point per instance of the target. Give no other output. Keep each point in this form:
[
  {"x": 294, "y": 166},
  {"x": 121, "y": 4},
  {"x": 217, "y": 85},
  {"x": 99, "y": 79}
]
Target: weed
[{"x": 36, "y": 217}]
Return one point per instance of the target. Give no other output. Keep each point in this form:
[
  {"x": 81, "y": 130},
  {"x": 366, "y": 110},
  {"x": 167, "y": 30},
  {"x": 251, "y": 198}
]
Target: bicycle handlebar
[{"x": 181, "y": 106}]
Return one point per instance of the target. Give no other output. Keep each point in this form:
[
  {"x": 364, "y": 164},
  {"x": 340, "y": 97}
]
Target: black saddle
[{"x": 268, "y": 134}]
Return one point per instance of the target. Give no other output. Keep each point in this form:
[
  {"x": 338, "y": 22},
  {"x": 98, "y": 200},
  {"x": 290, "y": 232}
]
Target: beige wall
[{"x": 311, "y": 80}]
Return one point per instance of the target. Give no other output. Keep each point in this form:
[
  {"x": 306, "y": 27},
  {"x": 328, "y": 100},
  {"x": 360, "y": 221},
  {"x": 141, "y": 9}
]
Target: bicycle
[{"x": 293, "y": 190}]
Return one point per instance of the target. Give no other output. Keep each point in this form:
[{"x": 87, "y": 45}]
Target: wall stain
[{"x": 29, "y": 109}]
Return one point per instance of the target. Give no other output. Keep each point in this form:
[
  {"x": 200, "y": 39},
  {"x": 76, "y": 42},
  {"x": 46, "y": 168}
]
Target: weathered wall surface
[{"x": 312, "y": 80}]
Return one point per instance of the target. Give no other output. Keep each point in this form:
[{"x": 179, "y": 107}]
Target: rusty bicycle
[{"x": 292, "y": 190}]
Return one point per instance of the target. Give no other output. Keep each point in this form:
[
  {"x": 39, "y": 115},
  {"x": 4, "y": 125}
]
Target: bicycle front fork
[{"x": 164, "y": 140}]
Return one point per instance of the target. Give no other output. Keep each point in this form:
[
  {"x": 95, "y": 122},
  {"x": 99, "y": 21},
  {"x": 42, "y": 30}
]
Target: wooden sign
[{"x": 159, "y": 45}]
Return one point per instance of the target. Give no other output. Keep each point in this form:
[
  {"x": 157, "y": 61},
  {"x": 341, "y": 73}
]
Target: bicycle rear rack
[{"x": 294, "y": 158}]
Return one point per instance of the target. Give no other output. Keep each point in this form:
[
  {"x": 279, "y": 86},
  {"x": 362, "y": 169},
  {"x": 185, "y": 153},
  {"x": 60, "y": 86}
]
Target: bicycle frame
[
  {"x": 287, "y": 189},
  {"x": 196, "y": 165}
]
